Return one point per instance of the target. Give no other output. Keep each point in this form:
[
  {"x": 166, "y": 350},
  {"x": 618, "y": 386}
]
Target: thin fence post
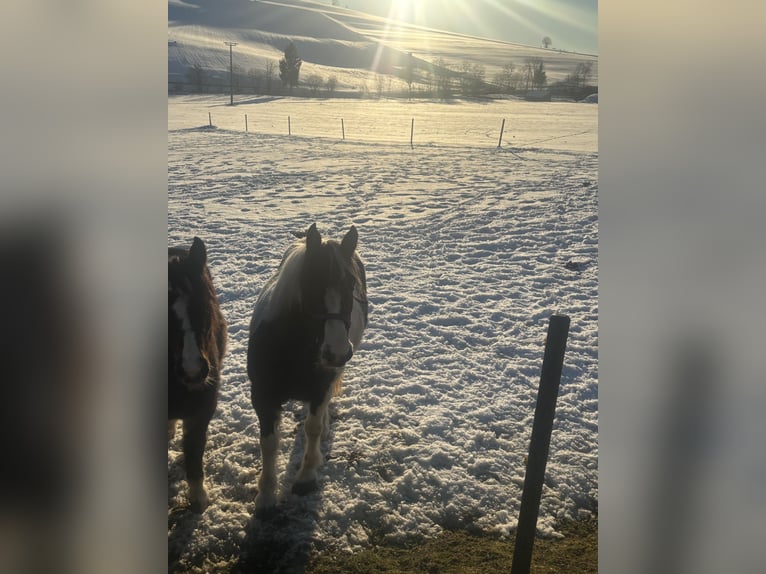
[
  {"x": 502, "y": 127},
  {"x": 289, "y": 129},
  {"x": 342, "y": 129},
  {"x": 210, "y": 119},
  {"x": 412, "y": 130},
  {"x": 550, "y": 376},
  {"x": 245, "y": 123}
]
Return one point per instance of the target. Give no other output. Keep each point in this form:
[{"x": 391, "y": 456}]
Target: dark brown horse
[
  {"x": 196, "y": 347},
  {"x": 307, "y": 323}
]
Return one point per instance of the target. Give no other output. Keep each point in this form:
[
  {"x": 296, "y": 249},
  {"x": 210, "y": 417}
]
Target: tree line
[{"x": 436, "y": 79}]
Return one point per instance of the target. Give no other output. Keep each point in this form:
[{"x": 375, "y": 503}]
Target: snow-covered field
[{"x": 469, "y": 249}]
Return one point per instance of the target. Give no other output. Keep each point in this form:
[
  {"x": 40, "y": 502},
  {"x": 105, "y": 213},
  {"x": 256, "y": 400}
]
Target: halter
[
  {"x": 338, "y": 316},
  {"x": 332, "y": 317}
]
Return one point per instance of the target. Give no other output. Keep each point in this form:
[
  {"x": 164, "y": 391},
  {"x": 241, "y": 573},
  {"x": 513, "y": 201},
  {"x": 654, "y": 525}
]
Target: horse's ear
[
  {"x": 198, "y": 253},
  {"x": 313, "y": 239},
  {"x": 348, "y": 244}
]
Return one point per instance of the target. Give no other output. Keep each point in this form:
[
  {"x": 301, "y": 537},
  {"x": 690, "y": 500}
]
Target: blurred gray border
[
  {"x": 682, "y": 155},
  {"x": 84, "y": 152}
]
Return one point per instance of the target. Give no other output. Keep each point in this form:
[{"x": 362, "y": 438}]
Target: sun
[{"x": 403, "y": 10}]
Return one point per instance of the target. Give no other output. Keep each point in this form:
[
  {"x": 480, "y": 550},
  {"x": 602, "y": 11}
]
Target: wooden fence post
[
  {"x": 412, "y": 130},
  {"x": 342, "y": 129},
  {"x": 502, "y": 127},
  {"x": 550, "y": 376},
  {"x": 245, "y": 123}
]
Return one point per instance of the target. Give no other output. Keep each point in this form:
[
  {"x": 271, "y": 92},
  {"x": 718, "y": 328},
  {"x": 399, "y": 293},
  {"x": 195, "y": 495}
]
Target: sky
[{"x": 571, "y": 25}]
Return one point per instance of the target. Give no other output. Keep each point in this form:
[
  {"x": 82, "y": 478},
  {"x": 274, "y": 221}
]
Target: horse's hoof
[
  {"x": 307, "y": 487},
  {"x": 265, "y": 504},
  {"x": 197, "y": 496}
]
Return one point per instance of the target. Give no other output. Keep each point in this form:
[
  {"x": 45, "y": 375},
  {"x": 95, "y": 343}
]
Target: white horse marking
[
  {"x": 335, "y": 344},
  {"x": 192, "y": 361},
  {"x": 267, "y": 483}
]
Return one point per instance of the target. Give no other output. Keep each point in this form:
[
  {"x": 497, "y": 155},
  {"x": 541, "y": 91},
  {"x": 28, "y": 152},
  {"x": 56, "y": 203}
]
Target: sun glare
[
  {"x": 432, "y": 13},
  {"x": 403, "y": 10},
  {"x": 486, "y": 17}
]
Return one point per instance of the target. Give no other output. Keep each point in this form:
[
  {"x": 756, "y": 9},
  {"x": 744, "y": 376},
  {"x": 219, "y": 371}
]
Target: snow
[{"x": 469, "y": 249}]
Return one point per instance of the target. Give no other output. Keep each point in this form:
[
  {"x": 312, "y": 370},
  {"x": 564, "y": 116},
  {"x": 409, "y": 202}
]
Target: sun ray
[
  {"x": 515, "y": 15},
  {"x": 558, "y": 11},
  {"x": 533, "y": 16}
]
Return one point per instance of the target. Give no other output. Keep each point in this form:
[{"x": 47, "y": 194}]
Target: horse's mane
[
  {"x": 283, "y": 289},
  {"x": 206, "y": 306}
]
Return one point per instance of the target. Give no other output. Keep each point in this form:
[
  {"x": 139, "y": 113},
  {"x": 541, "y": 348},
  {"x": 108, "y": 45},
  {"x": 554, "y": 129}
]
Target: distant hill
[{"x": 353, "y": 46}]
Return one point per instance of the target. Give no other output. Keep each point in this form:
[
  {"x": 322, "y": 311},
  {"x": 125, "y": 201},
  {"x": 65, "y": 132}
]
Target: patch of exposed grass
[{"x": 465, "y": 553}]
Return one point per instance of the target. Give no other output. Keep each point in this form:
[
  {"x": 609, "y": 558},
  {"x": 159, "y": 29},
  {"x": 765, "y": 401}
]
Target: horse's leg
[
  {"x": 306, "y": 479},
  {"x": 195, "y": 434},
  {"x": 326, "y": 424},
  {"x": 266, "y": 498}
]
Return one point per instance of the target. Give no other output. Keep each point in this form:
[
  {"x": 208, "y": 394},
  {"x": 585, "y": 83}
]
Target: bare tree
[
  {"x": 582, "y": 73},
  {"x": 314, "y": 82},
  {"x": 331, "y": 84},
  {"x": 429, "y": 80},
  {"x": 442, "y": 74},
  {"x": 476, "y": 75},
  {"x": 575, "y": 82},
  {"x": 253, "y": 80},
  {"x": 471, "y": 78},
  {"x": 408, "y": 74},
  {"x": 504, "y": 78},
  {"x": 197, "y": 77},
  {"x": 465, "y": 78},
  {"x": 380, "y": 81},
  {"x": 547, "y": 42},
  {"x": 268, "y": 75}
]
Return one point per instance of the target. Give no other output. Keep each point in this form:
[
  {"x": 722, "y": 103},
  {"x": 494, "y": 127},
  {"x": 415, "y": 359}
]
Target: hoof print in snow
[
  {"x": 575, "y": 265},
  {"x": 303, "y": 488}
]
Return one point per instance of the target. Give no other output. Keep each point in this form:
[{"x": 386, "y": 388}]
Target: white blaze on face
[
  {"x": 336, "y": 341},
  {"x": 191, "y": 359}
]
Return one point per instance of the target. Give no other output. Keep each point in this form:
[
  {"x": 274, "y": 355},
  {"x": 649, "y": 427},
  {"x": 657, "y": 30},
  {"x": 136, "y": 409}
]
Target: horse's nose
[
  {"x": 201, "y": 374},
  {"x": 337, "y": 360}
]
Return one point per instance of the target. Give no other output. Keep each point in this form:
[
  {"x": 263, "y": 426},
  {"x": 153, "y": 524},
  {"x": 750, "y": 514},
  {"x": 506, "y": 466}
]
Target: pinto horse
[
  {"x": 196, "y": 347},
  {"x": 307, "y": 322}
]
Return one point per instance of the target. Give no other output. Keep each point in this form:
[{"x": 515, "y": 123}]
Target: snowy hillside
[
  {"x": 351, "y": 45},
  {"x": 469, "y": 250}
]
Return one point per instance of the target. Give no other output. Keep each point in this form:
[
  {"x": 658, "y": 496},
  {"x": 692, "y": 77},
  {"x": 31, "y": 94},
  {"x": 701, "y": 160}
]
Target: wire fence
[{"x": 508, "y": 124}]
